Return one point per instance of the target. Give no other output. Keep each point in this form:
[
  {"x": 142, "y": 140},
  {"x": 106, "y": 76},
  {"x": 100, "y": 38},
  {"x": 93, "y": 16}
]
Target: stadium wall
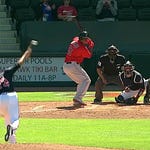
[{"x": 131, "y": 38}]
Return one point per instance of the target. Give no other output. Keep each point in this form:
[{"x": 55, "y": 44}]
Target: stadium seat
[
  {"x": 140, "y": 3},
  {"x": 86, "y": 14},
  {"x": 22, "y": 15},
  {"x": 85, "y": 11},
  {"x": 36, "y": 6},
  {"x": 57, "y": 2},
  {"x": 143, "y": 14},
  {"x": 81, "y": 3},
  {"x": 124, "y": 3},
  {"x": 19, "y": 3},
  {"x": 94, "y": 3},
  {"x": 126, "y": 14}
]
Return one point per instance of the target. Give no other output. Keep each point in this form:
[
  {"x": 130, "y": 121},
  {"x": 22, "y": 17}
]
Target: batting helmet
[{"x": 83, "y": 34}]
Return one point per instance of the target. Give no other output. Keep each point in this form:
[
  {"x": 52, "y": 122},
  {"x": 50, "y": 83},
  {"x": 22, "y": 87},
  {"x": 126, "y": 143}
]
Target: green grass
[
  {"x": 106, "y": 133},
  {"x": 57, "y": 96}
]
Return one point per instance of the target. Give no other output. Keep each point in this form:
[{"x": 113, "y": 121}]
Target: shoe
[
  {"x": 78, "y": 103},
  {"x": 116, "y": 99},
  {"x": 146, "y": 100},
  {"x": 97, "y": 101},
  {"x": 119, "y": 99},
  {"x": 9, "y": 132}
]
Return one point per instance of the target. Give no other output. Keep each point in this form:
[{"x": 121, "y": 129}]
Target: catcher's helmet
[
  {"x": 83, "y": 34},
  {"x": 112, "y": 47},
  {"x": 128, "y": 68},
  {"x": 128, "y": 65}
]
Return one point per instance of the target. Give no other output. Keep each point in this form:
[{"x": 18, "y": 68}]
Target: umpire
[{"x": 108, "y": 68}]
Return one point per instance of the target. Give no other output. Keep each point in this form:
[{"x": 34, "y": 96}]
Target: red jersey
[
  {"x": 77, "y": 51},
  {"x": 67, "y": 10}
]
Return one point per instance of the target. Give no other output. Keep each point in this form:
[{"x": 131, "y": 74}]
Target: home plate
[{"x": 38, "y": 108}]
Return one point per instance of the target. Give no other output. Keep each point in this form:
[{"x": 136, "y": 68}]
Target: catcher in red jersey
[{"x": 81, "y": 47}]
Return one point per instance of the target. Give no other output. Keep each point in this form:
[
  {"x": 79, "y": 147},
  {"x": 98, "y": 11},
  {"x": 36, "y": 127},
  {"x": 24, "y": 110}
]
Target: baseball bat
[{"x": 79, "y": 26}]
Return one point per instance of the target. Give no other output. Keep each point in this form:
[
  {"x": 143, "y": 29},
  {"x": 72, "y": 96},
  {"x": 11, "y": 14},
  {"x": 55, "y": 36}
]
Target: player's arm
[
  {"x": 27, "y": 53},
  {"x": 90, "y": 44},
  {"x": 100, "y": 74}
]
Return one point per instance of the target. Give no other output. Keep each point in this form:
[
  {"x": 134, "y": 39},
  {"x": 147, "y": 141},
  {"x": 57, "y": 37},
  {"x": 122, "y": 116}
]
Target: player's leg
[
  {"x": 83, "y": 81},
  {"x": 147, "y": 92},
  {"x": 78, "y": 75},
  {"x": 12, "y": 118},
  {"x": 127, "y": 97},
  {"x": 98, "y": 91}
]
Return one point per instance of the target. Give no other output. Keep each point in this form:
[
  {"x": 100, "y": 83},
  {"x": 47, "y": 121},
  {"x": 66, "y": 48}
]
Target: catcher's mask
[
  {"x": 128, "y": 68},
  {"x": 83, "y": 35},
  {"x": 112, "y": 50}
]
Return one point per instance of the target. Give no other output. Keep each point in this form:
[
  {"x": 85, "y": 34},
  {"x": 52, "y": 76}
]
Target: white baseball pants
[
  {"x": 9, "y": 110},
  {"x": 78, "y": 75}
]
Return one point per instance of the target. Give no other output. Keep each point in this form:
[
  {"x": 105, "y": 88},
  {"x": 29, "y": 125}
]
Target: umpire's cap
[
  {"x": 83, "y": 34},
  {"x": 112, "y": 47}
]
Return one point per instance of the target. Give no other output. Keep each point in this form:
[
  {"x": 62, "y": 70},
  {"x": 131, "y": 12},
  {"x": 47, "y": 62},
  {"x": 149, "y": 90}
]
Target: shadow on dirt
[{"x": 68, "y": 107}]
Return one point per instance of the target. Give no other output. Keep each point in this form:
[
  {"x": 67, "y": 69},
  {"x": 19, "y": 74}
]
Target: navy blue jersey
[
  {"x": 110, "y": 68},
  {"x": 135, "y": 82},
  {"x": 6, "y": 84}
]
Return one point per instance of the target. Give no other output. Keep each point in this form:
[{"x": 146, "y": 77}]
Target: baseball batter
[
  {"x": 8, "y": 97},
  {"x": 81, "y": 47},
  {"x": 134, "y": 86}
]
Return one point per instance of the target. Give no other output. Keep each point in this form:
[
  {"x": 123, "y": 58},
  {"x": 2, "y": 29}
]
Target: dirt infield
[
  {"x": 46, "y": 147},
  {"x": 66, "y": 110}
]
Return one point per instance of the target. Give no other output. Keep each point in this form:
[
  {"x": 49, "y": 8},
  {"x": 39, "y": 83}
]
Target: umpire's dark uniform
[{"x": 108, "y": 71}]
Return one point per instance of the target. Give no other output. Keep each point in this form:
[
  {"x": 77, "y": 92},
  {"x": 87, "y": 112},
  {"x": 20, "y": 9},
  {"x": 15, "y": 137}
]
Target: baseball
[{"x": 33, "y": 42}]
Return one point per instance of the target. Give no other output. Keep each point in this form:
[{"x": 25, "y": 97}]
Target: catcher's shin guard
[{"x": 147, "y": 94}]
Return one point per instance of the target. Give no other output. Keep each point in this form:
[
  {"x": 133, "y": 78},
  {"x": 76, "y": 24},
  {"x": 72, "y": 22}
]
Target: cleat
[
  {"x": 97, "y": 101},
  {"x": 78, "y": 104},
  {"x": 9, "y": 132}
]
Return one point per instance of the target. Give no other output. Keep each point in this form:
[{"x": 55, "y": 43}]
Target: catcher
[
  {"x": 134, "y": 86},
  {"x": 8, "y": 97}
]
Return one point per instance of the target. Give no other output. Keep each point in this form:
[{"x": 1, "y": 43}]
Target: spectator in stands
[
  {"x": 48, "y": 9},
  {"x": 106, "y": 10},
  {"x": 66, "y": 12},
  {"x": 108, "y": 68}
]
